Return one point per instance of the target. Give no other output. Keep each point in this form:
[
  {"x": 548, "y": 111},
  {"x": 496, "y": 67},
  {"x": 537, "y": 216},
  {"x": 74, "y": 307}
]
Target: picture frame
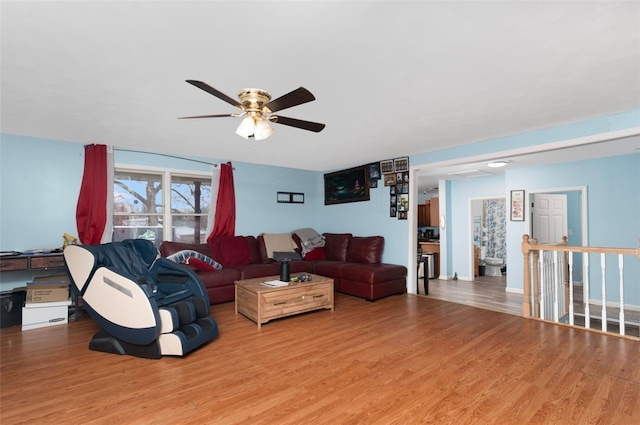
[
  {"x": 403, "y": 202},
  {"x": 402, "y": 215},
  {"x": 517, "y": 205},
  {"x": 374, "y": 172},
  {"x": 386, "y": 166},
  {"x": 401, "y": 165},
  {"x": 350, "y": 185},
  {"x": 389, "y": 179}
]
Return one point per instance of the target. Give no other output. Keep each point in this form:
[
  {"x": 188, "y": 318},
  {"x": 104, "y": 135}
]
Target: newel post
[
  {"x": 565, "y": 272},
  {"x": 536, "y": 279},
  {"x": 526, "y": 301}
]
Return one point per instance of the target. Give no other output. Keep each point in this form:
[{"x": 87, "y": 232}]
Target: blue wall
[
  {"x": 40, "y": 180},
  {"x": 613, "y": 204}
]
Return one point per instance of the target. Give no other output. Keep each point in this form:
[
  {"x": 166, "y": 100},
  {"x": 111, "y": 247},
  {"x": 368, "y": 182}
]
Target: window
[
  {"x": 190, "y": 199},
  {"x": 139, "y": 200}
]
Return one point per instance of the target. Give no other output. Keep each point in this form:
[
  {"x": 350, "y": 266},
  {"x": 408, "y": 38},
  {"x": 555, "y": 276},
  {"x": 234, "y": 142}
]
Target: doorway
[
  {"x": 550, "y": 220},
  {"x": 549, "y": 217},
  {"x": 488, "y": 237}
]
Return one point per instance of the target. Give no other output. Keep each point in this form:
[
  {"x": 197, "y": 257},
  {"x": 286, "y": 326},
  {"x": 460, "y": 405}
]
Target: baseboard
[{"x": 611, "y": 304}]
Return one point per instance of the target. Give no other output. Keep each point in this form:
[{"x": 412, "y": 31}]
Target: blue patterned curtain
[{"x": 496, "y": 223}]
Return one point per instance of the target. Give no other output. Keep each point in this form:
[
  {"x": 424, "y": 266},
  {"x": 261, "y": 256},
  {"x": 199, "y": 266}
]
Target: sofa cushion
[
  {"x": 366, "y": 250},
  {"x": 254, "y": 251},
  {"x": 250, "y": 271},
  {"x": 373, "y": 273},
  {"x": 336, "y": 246},
  {"x": 230, "y": 251},
  {"x": 167, "y": 248}
]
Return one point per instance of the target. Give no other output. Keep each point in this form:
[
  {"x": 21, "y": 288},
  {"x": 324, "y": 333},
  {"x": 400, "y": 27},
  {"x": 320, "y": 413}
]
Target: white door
[{"x": 549, "y": 218}]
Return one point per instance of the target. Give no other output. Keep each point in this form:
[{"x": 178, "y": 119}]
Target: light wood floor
[
  {"x": 490, "y": 293},
  {"x": 485, "y": 292},
  {"x": 404, "y": 359}
]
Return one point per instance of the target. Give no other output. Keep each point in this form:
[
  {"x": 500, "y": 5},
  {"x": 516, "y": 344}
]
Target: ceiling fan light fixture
[
  {"x": 497, "y": 164},
  {"x": 257, "y": 106},
  {"x": 246, "y": 127},
  {"x": 262, "y": 129}
]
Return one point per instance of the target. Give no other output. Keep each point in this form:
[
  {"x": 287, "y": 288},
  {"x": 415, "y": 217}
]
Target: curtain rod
[{"x": 167, "y": 155}]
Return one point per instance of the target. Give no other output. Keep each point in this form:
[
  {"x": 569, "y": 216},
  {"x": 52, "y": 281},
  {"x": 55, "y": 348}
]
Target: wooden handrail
[
  {"x": 531, "y": 251},
  {"x": 569, "y": 248}
]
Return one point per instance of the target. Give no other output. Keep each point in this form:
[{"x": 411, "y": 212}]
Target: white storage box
[{"x": 40, "y": 315}]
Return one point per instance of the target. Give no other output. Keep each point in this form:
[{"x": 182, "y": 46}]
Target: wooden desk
[
  {"x": 22, "y": 262},
  {"x": 53, "y": 261}
]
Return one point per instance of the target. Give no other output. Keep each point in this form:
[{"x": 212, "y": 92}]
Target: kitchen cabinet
[
  {"x": 423, "y": 216},
  {"x": 434, "y": 212}
]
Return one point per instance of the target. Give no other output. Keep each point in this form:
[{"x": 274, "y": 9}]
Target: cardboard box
[
  {"x": 51, "y": 290},
  {"x": 40, "y": 315}
]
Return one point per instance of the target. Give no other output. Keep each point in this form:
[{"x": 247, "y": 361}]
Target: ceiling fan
[{"x": 258, "y": 108}]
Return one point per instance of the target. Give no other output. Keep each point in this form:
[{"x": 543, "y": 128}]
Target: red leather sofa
[{"x": 353, "y": 262}]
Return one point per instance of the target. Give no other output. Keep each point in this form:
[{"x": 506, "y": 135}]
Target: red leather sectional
[{"x": 353, "y": 262}]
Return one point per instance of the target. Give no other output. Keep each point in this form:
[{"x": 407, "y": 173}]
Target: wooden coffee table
[{"x": 262, "y": 303}]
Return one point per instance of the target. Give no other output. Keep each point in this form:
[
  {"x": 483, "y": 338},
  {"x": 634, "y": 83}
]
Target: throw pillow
[
  {"x": 200, "y": 265},
  {"x": 315, "y": 254},
  {"x": 230, "y": 251},
  {"x": 281, "y": 256},
  {"x": 186, "y": 255}
]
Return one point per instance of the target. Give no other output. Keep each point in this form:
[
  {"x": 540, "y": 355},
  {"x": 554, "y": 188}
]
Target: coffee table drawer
[{"x": 278, "y": 304}]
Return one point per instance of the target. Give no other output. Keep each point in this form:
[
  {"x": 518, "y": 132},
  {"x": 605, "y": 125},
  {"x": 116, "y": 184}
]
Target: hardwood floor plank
[{"x": 399, "y": 360}]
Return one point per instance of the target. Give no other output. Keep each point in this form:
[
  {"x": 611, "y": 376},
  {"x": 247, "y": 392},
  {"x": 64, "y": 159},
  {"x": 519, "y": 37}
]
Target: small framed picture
[
  {"x": 392, "y": 211},
  {"x": 402, "y": 215},
  {"x": 517, "y": 205},
  {"x": 374, "y": 171},
  {"x": 392, "y": 190},
  {"x": 401, "y": 165},
  {"x": 386, "y": 166},
  {"x": 403, "y": 203},
  {"x": 373, "y": 184},
  {"x": 389, "y": 179}
]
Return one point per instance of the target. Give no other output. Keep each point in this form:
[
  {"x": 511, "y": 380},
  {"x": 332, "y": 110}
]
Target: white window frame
[{"x": 167, "y": 173}]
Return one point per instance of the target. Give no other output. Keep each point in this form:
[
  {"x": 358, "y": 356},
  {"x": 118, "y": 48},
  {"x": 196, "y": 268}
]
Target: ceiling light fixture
[
  {"x": 254, "y": 126},
  {"x": 497, "y": 164}
]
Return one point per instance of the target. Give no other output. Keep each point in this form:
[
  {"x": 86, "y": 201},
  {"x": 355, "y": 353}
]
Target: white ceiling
[{"x": 391, "y": 78}]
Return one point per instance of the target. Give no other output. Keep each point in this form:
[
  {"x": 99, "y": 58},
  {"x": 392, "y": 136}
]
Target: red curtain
[
  {"x": 225, "y": 218},
  {"x": 91, "y": 211}
]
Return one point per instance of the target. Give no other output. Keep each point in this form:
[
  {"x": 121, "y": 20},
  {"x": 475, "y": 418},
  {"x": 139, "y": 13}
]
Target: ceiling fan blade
[
  {"x": 293, "y": 98},
  {"x": 207, "y": 116},
  {"x": 217, "y": 93},
  {"x": 305, "y": 125}
]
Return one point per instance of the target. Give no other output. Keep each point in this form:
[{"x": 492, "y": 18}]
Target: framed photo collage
[{"x": 395, "y": 174}]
